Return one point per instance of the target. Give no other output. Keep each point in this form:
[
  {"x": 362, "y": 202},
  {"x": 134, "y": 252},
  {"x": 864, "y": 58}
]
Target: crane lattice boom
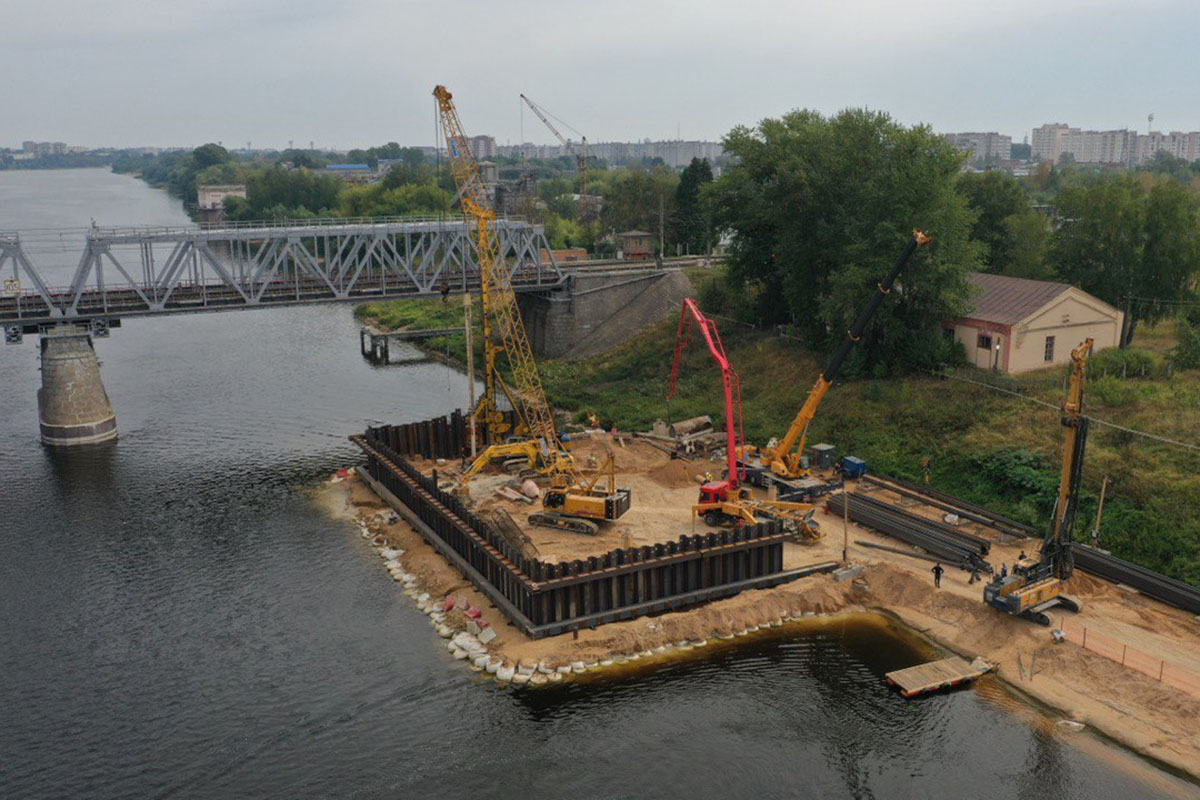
[{"x": 499, "y": 301}]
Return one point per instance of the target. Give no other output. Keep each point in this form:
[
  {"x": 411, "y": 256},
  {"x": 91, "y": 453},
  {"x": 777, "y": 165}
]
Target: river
[{"x": 179, "y": 619}]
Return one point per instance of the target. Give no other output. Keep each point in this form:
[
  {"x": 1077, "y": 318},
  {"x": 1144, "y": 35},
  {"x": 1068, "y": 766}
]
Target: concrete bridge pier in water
[{"x": 73, "y": 407}]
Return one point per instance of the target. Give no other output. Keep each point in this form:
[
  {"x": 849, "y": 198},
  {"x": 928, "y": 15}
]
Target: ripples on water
[{"x": 177, "y": 619}]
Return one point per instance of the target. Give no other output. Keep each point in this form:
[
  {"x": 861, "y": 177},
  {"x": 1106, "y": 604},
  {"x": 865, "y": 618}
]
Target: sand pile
[{"x": 673, "y": 474}]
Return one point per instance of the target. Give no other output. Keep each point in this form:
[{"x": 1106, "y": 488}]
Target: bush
[
  {"x": 1132, "y": 362},
  {"x": 1017, "y": 473},
  {"x": 1186, "y": 354}
]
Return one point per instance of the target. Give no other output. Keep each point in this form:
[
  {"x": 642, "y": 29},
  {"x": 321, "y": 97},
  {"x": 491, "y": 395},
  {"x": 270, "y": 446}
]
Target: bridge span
[
  {"x": 139, "y": 272},
  {"x": 128, "y": 272}
]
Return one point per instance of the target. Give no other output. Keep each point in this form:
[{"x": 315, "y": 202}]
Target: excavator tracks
[{"x": 562, "y": 522}]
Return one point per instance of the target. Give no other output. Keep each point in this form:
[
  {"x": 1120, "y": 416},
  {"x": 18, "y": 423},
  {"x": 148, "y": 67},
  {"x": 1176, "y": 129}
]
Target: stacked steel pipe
[
  {"x": 951, "y": 545},
  {"x": 970, "y": 511},
  {"x": 1104, "y": 564}
]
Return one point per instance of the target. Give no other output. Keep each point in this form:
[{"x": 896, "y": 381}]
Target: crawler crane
[
  {"x": 783, "y": 461},
  {"x": 1037, "y": 585},
  {"x": 570, "y": 504}
]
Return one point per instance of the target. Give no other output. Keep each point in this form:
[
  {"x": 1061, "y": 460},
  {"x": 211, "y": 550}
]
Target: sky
[{"x": 361, "y": 72}]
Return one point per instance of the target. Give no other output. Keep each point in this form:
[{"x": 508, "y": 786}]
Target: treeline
[{"x": 817, "y": 207}]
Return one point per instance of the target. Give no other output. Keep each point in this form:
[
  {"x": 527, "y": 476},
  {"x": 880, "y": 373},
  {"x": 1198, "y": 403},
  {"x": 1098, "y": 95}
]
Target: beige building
[{"x": 1019, "y": 325}]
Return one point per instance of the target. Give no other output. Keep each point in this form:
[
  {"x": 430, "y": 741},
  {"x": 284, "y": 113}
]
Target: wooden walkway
[{"x": 935, "y": 675}]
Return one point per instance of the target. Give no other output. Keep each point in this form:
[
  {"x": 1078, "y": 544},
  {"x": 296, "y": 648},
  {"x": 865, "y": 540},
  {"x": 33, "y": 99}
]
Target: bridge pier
[{"x": 73, "y": 407}]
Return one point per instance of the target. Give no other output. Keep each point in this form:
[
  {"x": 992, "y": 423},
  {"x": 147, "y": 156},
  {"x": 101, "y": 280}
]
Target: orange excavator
[{"x": 725, "y": 501}]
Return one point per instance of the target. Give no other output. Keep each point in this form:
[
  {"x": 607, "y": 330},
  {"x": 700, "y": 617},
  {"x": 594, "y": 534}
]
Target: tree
[
  {"x": 1133, "y": 248},
  {"x": 206, "y": 155},
  {"x": 996, "y": 196},
  {"x": 1026, "y": 244},
  {"x": 633, "y": 198},
  {"x": 691, "y": 225}
]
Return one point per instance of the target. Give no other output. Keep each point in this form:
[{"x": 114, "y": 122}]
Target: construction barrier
[
  {"x": 544, "y": 599},
  {"x": 1159, "y": 669},
  {"x": 441, "y": 437}
]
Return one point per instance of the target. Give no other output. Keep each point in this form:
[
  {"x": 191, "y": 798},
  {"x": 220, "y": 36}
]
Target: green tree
[
  {"x": 634, "y": 198},
  {"x": 1026, "y": 245},
  {"x": 996, "y": 196},
  {"x": 692, "y": 227},
  {"x": 1133, "y": 248},
  {"x": 819, "y": 208},
  {"x": 206, "y": 155}
]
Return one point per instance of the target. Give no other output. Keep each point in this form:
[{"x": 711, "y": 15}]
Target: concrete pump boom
[{"x": 729, "y": 380}]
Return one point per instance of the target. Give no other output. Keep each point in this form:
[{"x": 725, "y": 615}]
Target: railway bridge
[{"x": 125, "y": 273}]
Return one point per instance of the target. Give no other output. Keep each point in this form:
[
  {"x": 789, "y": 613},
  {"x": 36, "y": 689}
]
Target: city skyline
[{"x": 178, "y": 76}]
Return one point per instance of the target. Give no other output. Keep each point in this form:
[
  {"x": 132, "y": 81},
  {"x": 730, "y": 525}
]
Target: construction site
[{"x": 544, "y": 551}]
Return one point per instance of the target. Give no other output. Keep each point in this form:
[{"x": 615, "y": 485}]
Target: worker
[
  {"x": 445, "y": 289},
  {"x": 1004, "y": 571},
  {"x": 975, "y": 576},
  {"x": 1021, "y": 557},
  {"x": 937, "y": 574}
]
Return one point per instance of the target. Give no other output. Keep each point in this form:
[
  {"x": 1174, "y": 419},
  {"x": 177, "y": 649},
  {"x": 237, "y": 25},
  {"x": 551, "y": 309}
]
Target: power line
[{"x": 1096, "y": 420}]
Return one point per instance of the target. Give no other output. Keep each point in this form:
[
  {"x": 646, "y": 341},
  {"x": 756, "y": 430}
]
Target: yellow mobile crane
[
  {"x": 570, "y": 503},
  {"x": 580, "y": 152},
  {"x": 782, "y": 461},
  {"x": 1037, "y": 585}
]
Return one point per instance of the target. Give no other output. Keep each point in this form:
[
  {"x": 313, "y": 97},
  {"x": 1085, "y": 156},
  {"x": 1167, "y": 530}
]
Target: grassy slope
[{"x": 988, "y": 447}]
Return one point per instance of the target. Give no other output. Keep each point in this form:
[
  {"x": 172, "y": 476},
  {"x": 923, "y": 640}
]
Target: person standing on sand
[{"x": 937, "y": 574}]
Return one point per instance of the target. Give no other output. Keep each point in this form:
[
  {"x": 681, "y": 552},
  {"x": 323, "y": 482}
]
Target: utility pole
[
  {"x": 845, "y": 524},
  {"x": 470, "y": 366},
  {"x": 661, "y": 234},
  {"x": 1099, "y": 511}
]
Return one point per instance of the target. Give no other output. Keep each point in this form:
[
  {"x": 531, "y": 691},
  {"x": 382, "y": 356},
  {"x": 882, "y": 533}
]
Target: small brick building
[{"x": 1018, "y": 324}]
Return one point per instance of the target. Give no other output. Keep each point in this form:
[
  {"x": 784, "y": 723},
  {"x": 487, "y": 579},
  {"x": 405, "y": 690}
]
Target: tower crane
[
  {"x": 1037, "y": 585},
  {"x": 580, "y": 152},
  {"x": 783, "y": 460},
  {"x": 574, "y": 503}
]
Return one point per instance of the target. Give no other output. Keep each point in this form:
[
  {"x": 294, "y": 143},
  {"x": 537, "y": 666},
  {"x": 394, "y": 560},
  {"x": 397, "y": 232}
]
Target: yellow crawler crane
[
  {"x": 568, "y": 499},
  {"x": 784, "y": 459}
]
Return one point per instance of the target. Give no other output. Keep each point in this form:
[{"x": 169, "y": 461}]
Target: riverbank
[{"x": 1126, "y": 706}]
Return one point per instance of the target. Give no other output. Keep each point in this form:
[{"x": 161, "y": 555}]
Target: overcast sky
[{"x": 360, "y": 72}]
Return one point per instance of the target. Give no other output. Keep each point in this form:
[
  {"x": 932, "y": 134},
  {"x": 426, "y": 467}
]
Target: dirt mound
[{"x": 673, "y": 474}]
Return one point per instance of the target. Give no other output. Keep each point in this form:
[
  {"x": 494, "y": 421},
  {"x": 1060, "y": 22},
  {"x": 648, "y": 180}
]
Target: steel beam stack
[
  {"x": 952, "y": 504},
  {"x": 1160, "y": 587},
  {"x": 953, "y": 546}
]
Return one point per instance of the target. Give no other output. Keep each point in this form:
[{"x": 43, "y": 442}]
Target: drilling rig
[{"x": 1037, "y": 585}]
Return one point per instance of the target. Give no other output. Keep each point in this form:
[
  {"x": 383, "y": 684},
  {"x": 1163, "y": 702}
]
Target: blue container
[{"x": 853, "y": 467}]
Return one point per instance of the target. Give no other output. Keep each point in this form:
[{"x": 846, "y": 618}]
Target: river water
[{"x": 179, "y": 619}]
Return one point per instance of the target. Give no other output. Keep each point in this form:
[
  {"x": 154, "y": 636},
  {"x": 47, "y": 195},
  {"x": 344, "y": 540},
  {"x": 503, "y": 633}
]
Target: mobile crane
[
  {"x": 724, "y": 502},
  {"x": 1037, "y": 585},
  {"x": 580, "y": 153},
  {"x": 783, "y": 461},
  {"x": 569, "y": 502}
]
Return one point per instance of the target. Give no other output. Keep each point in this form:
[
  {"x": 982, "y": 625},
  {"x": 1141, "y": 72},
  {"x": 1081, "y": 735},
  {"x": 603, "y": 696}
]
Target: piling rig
[
  {"x": 1036, "y": 585},
  {"x": 569, "y": 503}
]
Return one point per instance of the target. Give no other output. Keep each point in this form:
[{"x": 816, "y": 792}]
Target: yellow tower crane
[{"x": 579, "y": 152}]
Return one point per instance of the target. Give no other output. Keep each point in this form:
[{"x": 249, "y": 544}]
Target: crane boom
[
  {"x": 499, "y": 300},
  {"x": 729, "y": 380},
  {"x": 580, "y": 153},
  {"x": 781, "y": 458}
]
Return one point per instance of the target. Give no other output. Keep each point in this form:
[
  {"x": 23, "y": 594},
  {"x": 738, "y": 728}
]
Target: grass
[{"x": 988, "y": 447}]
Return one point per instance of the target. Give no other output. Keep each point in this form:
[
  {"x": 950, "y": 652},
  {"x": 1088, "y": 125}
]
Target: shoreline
[{"x": 890, "y": 593}]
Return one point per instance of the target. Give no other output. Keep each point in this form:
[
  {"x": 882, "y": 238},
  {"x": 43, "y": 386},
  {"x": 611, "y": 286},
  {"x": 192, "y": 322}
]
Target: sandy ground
[{"x": 1123, "y": 704}]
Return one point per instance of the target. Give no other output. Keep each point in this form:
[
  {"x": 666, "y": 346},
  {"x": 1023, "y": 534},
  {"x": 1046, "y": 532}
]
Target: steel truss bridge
[{"x": 128, "y": 272}]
